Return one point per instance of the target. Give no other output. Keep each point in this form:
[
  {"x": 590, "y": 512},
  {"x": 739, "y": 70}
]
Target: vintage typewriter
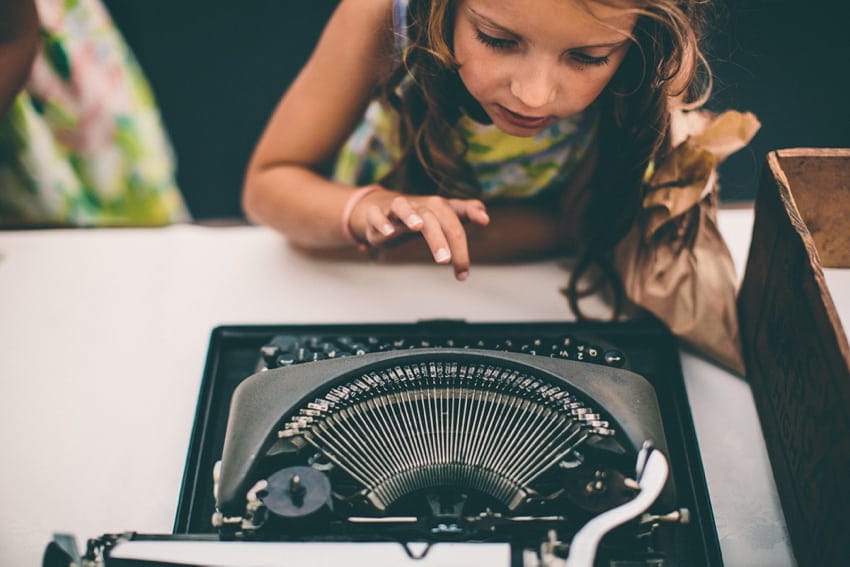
[{"x": 508, "y": 443}]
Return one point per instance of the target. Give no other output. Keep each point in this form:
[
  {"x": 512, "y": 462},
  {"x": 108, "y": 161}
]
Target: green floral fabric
[{"x": 83, "y": 143}]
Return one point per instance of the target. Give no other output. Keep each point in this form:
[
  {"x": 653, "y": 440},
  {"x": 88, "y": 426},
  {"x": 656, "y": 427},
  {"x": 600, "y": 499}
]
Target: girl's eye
[
  {"x": 494, "y": 42},
  {"x": 585, "y": 59}
]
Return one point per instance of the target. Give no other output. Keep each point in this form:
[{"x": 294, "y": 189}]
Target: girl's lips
[{"x": 521, "y": 120}]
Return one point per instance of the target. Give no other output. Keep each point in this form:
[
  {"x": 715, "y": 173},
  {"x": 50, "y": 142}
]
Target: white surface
[
  {"x": 104, "y": 336},
  {"x": 266, "y": 554},
  {"x": 838, "y": 284}
]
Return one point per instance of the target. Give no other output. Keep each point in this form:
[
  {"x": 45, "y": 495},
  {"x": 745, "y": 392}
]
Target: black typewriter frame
[{"x": 651, "y": 351}]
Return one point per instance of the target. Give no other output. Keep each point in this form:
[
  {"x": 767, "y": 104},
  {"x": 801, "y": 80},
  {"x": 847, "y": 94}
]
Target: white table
[{"x": 104, "y": 336}]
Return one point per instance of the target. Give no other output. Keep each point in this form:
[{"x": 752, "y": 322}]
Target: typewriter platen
[{"x": 566, "y": 443}]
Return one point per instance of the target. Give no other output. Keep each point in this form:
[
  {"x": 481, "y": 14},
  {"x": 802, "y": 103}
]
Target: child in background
[
  {"x": 504, "y": 130},
  {"x": 81, "y": 140}
]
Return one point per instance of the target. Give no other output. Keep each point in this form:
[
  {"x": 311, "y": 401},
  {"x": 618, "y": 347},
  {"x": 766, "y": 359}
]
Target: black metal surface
[{"x": 234, "y": 351}]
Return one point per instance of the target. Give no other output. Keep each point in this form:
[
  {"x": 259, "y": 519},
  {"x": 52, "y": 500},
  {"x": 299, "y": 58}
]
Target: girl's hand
[{"x": 384, "y": 216}]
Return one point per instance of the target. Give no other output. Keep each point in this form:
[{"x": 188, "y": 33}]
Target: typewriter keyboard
[{"x": 286, "y": 350}]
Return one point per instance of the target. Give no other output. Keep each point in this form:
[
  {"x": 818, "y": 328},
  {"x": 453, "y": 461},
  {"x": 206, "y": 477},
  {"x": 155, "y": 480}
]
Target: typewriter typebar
[{"x": 555, "y": 456}]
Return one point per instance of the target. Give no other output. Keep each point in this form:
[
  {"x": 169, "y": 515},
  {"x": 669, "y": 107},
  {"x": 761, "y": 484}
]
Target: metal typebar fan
[
  {"x": 402, "y": 422},
  {"x": 471, "y": 425}
]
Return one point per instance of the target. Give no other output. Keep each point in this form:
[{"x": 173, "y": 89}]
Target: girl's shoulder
[
  {"x": 363, "y": 28},
  {"x": 381, "y": 11}
]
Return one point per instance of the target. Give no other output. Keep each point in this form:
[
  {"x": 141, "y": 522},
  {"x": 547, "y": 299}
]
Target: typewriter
[{"x": 441, "y": 443}]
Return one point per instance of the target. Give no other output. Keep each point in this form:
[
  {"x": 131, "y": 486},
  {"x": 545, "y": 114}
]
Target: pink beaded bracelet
[{"x": 355, "y": 198}]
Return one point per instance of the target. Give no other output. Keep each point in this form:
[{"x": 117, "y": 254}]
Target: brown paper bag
[{"x": 674, "y": 262}]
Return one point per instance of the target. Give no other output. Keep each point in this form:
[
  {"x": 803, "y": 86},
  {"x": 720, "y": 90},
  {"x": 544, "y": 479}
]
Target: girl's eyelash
[
  {"x": 585, "y": 59},
  {"x": 501, "y": 43},
  {"x": 494, "y": 42}
]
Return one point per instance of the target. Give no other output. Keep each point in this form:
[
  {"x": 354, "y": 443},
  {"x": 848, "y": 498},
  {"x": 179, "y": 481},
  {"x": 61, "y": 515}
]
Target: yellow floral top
[
  {"x": 83, "y": 143},
  {"x": 505, "y": 166}
]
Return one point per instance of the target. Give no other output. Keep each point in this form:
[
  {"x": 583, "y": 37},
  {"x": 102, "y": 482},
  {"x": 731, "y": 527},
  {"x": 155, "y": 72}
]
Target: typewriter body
[{"x": 556, "y": 444}]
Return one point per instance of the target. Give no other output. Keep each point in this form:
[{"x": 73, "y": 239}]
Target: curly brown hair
[{"x": 634, "y": 108}]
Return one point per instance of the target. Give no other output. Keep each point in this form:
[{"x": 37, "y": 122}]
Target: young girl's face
[{"x": 529, "y": 63}]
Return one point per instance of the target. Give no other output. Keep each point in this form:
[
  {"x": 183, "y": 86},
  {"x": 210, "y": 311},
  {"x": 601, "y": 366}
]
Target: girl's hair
[{"x": 633, "y": 129}]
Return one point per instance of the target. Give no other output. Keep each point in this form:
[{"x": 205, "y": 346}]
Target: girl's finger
[
  {"x": 456, "y": 235},
  {"x": 471, "y": 209},
  {"x": 477, "y": 213},
  {"x": 404, "y": 210},
  {"x": 379, "y": 222},
  {"x": 432, "y": 232},
  {"x": 443, "y": 228}
]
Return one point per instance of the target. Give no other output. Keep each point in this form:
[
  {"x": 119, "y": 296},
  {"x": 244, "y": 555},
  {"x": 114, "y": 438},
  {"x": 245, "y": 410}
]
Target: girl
[{"x": 509, "y": 129}]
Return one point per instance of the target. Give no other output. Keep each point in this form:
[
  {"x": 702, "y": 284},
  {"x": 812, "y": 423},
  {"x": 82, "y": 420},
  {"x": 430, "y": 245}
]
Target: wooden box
[{"x": 796, "y": 351}]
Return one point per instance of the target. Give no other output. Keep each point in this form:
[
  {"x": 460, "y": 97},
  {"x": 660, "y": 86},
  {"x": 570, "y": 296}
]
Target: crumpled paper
[{"x": 674, "y": 262}]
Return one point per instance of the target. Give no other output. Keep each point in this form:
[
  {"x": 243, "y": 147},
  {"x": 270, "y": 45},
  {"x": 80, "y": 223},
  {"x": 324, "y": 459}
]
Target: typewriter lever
[{"x": 651, "y": 470}]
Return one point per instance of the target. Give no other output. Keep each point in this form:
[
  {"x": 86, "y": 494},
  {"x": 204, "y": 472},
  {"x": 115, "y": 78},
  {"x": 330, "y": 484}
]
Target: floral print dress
[
  {"x": 83, "y": 143},
  {"x": 505, "y": 166}
]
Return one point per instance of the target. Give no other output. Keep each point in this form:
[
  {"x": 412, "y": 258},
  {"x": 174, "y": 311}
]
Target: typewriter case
[{"x": 270, "y": 402}]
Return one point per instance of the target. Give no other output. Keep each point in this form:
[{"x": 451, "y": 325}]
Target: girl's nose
[{"x": 534, "y": 85}]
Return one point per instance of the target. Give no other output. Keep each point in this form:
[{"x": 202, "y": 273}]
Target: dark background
[{"x": 218, "y": 68}]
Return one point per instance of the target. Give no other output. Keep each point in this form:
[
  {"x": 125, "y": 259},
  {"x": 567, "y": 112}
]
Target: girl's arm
[
  {"x": 523, "y": 230},
  {"x": 18, "y": 44},
  {"x": 516, "y": 232},
  {"x": 283, "y": 188}
]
